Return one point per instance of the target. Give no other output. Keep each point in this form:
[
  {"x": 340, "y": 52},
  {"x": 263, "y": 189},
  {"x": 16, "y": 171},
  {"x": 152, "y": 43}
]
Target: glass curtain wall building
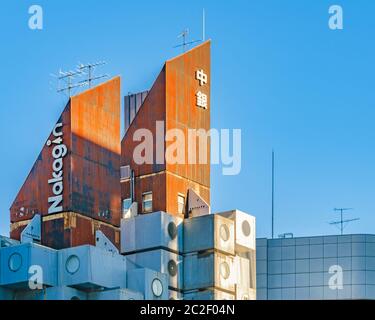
[{"x": 316, "y": 268}]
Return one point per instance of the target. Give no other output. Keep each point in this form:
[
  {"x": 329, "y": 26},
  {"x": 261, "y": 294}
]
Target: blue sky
[{"x": 278, "y": 73}]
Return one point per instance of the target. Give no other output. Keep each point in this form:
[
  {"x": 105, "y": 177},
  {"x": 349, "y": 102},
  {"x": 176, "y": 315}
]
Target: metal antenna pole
[
  {"x": 90, "y": 67},
  {"x": 341, "y": 223},
  {"x": 184, "y": 35},
  {"x": 184, "y": 44},
  {"x": 90, "y": 70},
  {"x": 273, "y": 194},
  {"x": 204, "y": 25},
  {"x": 69, "y": 76}
]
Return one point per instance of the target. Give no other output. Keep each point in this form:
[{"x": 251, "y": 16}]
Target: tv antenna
[
  {"x": 342, "y": 223},
  {"x": 184, "y": 34},
  {"x": 67, "y": 77},
  {"x": 88, "y": 69}
]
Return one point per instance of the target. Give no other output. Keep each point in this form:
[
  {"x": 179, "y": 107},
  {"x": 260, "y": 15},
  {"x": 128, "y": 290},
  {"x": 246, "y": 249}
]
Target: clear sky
[{"x": 278, "y": 73}]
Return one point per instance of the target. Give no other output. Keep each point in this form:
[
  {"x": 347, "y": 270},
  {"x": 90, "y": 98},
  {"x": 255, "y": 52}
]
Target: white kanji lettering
[
  {"x": 202, "y": 100},
  {"x": 202, "y": 77}
]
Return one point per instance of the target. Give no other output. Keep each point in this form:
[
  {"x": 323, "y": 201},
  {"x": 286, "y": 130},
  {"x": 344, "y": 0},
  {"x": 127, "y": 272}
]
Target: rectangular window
[
  {"x": 126, "y": 204},
  {"x": 125, "y": 172},
  {"x": 147, "y": 202},
  {"x": 181, "y": 204}
]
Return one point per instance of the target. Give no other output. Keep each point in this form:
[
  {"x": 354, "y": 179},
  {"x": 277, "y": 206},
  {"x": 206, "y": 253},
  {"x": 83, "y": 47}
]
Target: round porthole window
[
  {"x": 224, "y": 232},
  {"x": 172, "y": 268},
  {"x": 72, "y": 264},
  {"x": 157, "y": 288},
  {"x": 246, "y": 229},
  {"x": 225, "y": 270},
  {"x": 172, "y": 230},
  {"x": 15, "y": 262}
]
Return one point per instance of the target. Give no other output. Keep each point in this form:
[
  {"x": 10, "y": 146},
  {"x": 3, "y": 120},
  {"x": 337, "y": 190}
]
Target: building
[
  {"x": 100, "y": 218},
  {"x": 308, "y": 268},
  {"x": 75, "y": 182},
  {"x": 173, "y": 103}
]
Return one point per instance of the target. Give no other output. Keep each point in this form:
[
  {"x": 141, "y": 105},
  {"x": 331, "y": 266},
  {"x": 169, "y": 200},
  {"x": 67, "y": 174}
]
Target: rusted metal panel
[
  {"x": 89, "y": 129},
  {"x": 172, "y": 100},
  {"x": 33, "y": 195},
  {"x": 70, "y": 230},
  {"x": 182, "y": 110}
]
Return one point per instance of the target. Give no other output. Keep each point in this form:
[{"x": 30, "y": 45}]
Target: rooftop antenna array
[
  {"x": 88, "y": 69},
  {"x": 184, "y": 34},
  {"x": 342, "y": 223},
  {"x": 68, "y": 77}
]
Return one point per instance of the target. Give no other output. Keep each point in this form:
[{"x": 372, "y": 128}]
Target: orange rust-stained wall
[
  {"x": 91, "y": 134},
  {"x": 172, "y": 99},
  {"x": 181, "y": 108},
  {"x": 183, "y": 113}
]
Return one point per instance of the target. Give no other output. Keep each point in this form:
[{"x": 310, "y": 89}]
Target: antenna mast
[
  {"x": 184, "y": 36},
  {"x": 67, "y": 77},
  {"x": 204, "y": 26},
  {"x": 342, "y": 223},
  {"x": 273, "y": 194},
  {"x": 89, "y": 70},
  {"x": 82, "y": 69}
]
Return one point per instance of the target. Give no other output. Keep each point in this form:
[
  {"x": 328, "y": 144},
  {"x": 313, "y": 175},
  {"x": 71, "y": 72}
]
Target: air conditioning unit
[
  {"x": 155, "y": 230},
  {"x": 115, "y": 295},
  {"x": 20, "y": 264},
  {"x": 245, "y": 229},
  {"x": 162, "y": 261},
  {"x": 209, "y": 270},
  {"x": 175, "y": 295},
  {"x": 54, "y": 294},
  {"x": 152, "y": 284},
  {"x": 207, "y": 233},
  {"x": 91, "y": 268},
  {"x": 208, "y": 295}
]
